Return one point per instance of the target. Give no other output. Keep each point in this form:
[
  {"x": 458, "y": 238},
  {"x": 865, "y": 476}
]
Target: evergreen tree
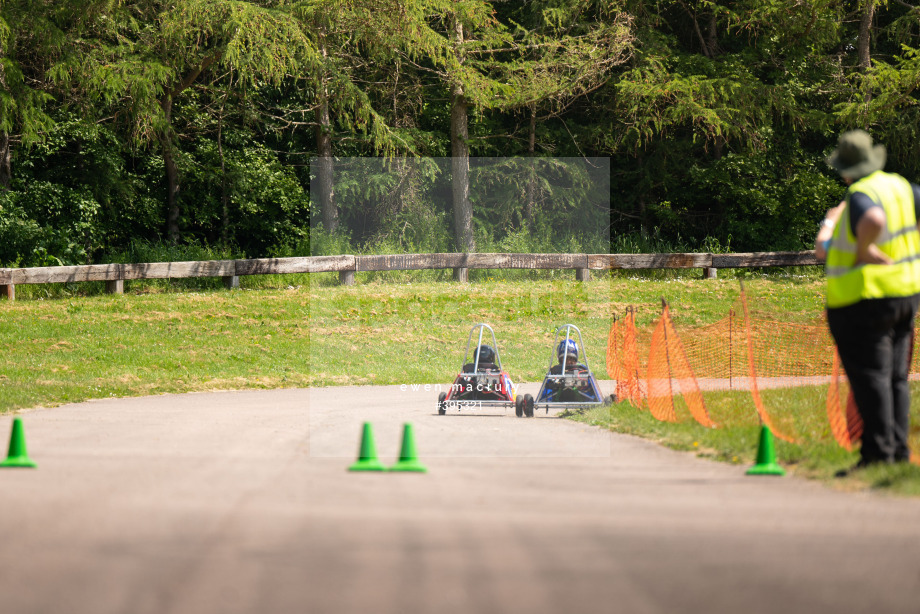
[
  {"x": 146, "y": 53},
  {"x": 31, "y": 35}
]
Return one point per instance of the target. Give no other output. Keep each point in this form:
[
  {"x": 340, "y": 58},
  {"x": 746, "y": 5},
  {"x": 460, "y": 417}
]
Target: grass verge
[{"x": 799, "y": 412}]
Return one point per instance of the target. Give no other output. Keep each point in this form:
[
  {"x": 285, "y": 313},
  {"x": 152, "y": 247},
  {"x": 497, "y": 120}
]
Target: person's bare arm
[
  {"x": 868, "y": 229},
  {"x": 827, "y": 229}
]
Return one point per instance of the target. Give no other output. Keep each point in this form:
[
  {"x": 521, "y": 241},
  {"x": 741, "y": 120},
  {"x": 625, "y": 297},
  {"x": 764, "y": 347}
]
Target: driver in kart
[
  {"x": 500, "y": 384},
  {"x": 568, "y": 352},
  {"x": 485, "y": 357}
]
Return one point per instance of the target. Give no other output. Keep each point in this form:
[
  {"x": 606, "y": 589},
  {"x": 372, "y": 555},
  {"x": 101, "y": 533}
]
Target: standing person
[{"x": 871, "y": 245}]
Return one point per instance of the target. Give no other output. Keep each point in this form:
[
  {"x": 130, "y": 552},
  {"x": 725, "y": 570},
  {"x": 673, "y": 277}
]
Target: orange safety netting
[
  {"x": 668, "y": 365},
  {"x": 666, "y": 370},
  {"x": 846, "y": 424},
  {"x": 765, "y": 417},
  {"x": 623, "y": 358}
]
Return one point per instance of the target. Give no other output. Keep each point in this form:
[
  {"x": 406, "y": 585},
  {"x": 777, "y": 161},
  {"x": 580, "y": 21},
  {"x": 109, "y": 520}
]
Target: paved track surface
[{"x": 241, "y": 502}]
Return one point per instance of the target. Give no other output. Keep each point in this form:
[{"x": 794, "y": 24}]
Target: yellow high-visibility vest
[{"x": 848, "y": 282}]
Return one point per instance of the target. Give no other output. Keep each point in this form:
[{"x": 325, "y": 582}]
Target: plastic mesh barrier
[
  {"x": 668, "y": 366},
  {"x": 748, "y": 368}
]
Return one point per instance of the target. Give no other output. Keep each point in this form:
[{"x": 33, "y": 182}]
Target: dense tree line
[{"x": 520, "y": 125}]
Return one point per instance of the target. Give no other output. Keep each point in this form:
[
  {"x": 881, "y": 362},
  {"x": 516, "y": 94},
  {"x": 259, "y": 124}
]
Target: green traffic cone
[
  {"x": 408, "y": 460},
  {"x": 18, "y": 457},
  {"x": 367, "y": 457},
  {"x": 766, "y": 456}
]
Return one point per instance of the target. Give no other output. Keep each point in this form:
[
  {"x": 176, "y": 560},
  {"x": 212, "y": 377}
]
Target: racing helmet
[
  {"x": 484, "y": 354},
  {"x": 567, "y": 346}
]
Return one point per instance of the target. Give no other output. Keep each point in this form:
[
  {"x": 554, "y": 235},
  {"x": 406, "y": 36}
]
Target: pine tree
[
  {"x": 487, "y": 62},
  {"x": 30, "y": 38},
  {"x": 145, "y": 54}
]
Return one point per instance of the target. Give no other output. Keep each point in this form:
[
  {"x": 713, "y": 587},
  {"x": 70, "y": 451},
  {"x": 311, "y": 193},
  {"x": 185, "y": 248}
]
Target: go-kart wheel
[
  {"x": 528, "y": 406},
  {"x": 442, "y": 409},
  {"x": 519, "y": 407},
  {"x": 610, "y": 400}
]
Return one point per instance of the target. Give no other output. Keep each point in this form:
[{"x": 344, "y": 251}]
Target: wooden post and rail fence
[{"x": 114, "y": 275}]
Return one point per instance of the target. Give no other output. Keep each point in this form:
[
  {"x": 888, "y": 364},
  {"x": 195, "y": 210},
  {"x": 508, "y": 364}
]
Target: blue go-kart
[{"x": 569, "y": 382}]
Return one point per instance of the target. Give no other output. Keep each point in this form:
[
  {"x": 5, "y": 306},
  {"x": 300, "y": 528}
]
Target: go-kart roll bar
[
  {"x": 481, "y": 328},
  {"x": 581, "y": 344}
]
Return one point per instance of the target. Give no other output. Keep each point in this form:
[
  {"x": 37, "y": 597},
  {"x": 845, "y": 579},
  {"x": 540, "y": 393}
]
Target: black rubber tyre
[
  {"x": 528, "y": 406},
  {"x": 442, "y": 409},
  {"x": 610, "y": 400},
  {"x": 519, "y": 407}
]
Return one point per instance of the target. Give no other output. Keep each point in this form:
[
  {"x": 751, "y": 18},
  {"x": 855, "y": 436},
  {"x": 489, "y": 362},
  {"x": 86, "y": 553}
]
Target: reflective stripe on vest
[{"x": 848, "y": 282}]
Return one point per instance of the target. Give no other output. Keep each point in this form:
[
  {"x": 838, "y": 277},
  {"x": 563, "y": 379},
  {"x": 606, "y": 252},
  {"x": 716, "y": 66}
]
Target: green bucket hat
[{"x": 855, "y": 155}]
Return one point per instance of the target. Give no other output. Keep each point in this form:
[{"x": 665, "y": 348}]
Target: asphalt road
[{"x": 242, "y": 502}]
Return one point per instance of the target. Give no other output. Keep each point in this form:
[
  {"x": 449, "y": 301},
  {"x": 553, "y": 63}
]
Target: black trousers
[{"x": 874, "y": 338}]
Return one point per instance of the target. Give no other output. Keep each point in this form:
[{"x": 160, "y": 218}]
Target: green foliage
[
  {"x": 727, "y": 114},
  {"x": 323, "y": 243},
  {"x": 146, "y": 251},
  {"x": 67, "y": 202},
  {"x": 885, "y": 98},
  {"x": 19, "y": 234},
  {"x": 565, "y": 50},
  {"x": 266, "y": 204},
  {"x": 767, "y": 200},
  {"x": 405, "y": 203},
  {"x": 712, "y": 102},
  {"x": 259, "y": 42},
  {"x": 399, "y": 202},
  {"x": 562, "y": 197},
  {"x": 716, "y": 118},
  {"x": 27, "y": 38},
  {"x": 47, "y": 224},
  {"x": 643, "y": 242}
]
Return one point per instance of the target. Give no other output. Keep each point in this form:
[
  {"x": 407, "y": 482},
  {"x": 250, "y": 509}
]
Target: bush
[
  {"x": 267, "y": 207},
  {"x": 48, "y": 224}
]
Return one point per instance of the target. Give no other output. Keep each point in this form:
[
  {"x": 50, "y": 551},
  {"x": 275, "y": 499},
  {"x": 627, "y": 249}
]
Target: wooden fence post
[
  {"x": 462, "y": 274},
  {"x": 8, "y": 291},
  {"x": 583, "y": 274},
  {"x": 115, "y": 286},
  {"x": 347, "y": 278},
  {"x": 710, "y": 273},
  {"x": 231, "y": 282}
]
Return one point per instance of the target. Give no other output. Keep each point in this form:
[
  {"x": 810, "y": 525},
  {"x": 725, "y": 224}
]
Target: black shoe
[{"x": 862, "y": 464}]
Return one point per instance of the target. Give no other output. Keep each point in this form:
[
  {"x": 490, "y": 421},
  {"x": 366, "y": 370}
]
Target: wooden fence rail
[{"x": 346, "y": 265}]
